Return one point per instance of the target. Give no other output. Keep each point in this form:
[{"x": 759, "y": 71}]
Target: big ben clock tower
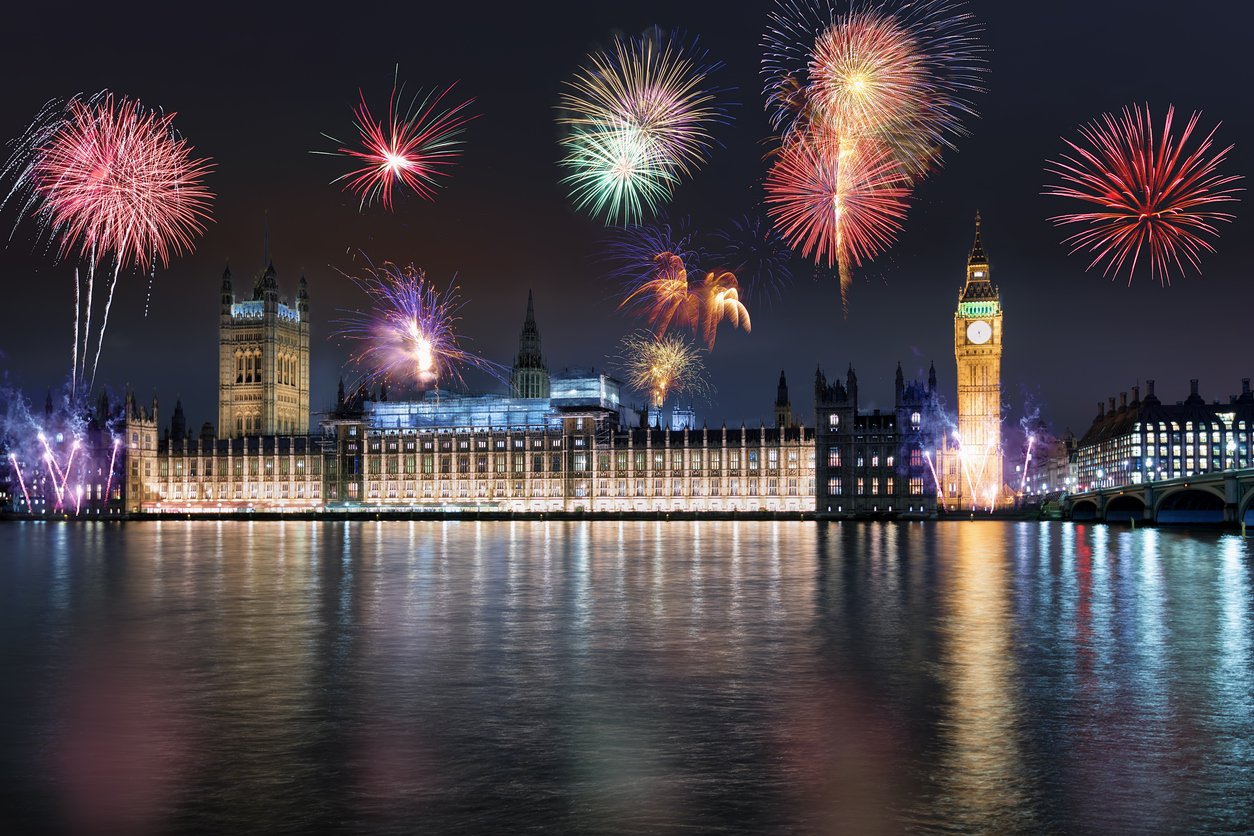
[{"x": 977, "y": 348}]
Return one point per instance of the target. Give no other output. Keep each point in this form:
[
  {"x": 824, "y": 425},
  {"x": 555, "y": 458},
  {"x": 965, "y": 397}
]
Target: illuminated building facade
[
  {"x": 263, "y": 360},
  {"x": 970, "y": 460},
  {"x": 1145, "y": 440},
  {"x": 875, "y": 463},
  {"x": 566, "y": 443}
]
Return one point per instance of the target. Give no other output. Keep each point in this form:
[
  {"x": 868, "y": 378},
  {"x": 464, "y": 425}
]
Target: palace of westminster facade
[{"x": 561, "y": 442}]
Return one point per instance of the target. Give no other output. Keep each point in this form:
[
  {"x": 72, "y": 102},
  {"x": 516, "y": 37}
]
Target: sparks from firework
[
  {"x": 841, "y": 202},
  {"x": 719, "y": 296},
  {"x": 662, "y": 366},
  {"x": 109, "y": 179},
  {"x": 17, "y": 468},
  {"x": 760, "y": 258},
  {"x": 413, "y": 147},
  {"x": 1153, "y": 197},
  {"x": 899, "y": 72},
  {"x": 638, "y": 119},
  {"x": 408, "y": 334},
  {"x": 940, "y": 490}
]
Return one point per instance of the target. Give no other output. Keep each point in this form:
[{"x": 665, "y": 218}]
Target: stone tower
[
  {"x": 977, "y": 349},
  {"x": 530, "y": 377},
  {"x": 783, "y": 407},
  {"x": 263, "y": 360}
]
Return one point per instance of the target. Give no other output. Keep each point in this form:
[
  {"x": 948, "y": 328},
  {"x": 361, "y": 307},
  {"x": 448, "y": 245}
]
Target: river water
[{"x": 620, "y": 677}]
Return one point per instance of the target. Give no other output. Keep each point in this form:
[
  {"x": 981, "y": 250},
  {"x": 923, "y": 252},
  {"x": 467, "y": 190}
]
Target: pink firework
[
  {"x": 843, "y": 202},
  {"x": 114, "y": 179},
  {"x": 414, "y": 148},
  {"x": 1152, "y": 198},
  {"x": 110, "y": 178}
]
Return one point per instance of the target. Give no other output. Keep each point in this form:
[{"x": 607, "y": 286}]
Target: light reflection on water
[{"x": 624, "y": 676}]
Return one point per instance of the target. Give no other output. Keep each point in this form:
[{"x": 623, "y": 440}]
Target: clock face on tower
[{"x": 979, "y": 332}]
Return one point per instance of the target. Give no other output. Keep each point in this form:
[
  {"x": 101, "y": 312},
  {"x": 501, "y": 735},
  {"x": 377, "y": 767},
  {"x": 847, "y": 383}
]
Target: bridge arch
[
  {"x": 1083, "y": 510},
  {"x": 1124, "y": 507},
  {"x": 1184, "y": 505},
  {"x": 1245, "y": 508}
]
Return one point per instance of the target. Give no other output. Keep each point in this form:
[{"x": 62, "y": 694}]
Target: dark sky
[{"x": 254, "y": 89}]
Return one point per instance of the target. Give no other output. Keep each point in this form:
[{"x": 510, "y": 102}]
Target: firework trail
[
  {"x": 720, "y": 299},
  {"x": 409, "y": 331},
  {"x": 413, "y": 147},
  {"x": 841, "y": 203},
  {"x": 60, "y": 445},
  {"x": 1152, "y": 197},
  {"x": 662, "y": 366},
  {"x": 107, "y": 178},
  {"x": 637, "y": 119},
  {"x": 866, "y": 97},
  {"x": 760, "y": 258}
]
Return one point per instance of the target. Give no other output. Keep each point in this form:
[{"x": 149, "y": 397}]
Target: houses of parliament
[{"x": 557, "y": 441}]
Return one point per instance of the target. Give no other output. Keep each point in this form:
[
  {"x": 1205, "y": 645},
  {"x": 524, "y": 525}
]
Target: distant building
[
  {"x": 1144, "y": 440},
  {"x": 874, "y": 463}
]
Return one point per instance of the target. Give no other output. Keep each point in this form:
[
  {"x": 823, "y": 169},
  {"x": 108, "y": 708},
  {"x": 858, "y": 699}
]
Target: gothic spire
[{"x": 977, "y": 249}]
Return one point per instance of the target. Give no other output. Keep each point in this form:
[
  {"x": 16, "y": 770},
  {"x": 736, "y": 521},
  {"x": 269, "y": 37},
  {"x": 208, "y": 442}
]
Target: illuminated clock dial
[{"x": 979, "y": 332}]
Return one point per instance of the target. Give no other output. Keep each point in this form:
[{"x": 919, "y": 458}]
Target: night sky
[{"x": 254, "y": 90}]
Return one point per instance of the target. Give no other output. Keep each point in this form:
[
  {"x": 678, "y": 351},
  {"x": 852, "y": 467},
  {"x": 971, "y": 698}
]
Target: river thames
[{"x": 619, "y": 677}]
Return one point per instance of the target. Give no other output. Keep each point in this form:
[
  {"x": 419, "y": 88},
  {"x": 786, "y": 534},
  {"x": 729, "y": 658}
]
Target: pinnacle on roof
[{"x": 977, "y": 249}]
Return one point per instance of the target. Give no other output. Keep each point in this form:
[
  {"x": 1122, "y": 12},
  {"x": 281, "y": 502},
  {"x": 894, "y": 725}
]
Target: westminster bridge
[{"x": 1220, "y": 497}]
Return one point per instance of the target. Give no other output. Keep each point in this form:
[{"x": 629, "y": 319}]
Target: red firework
[
  {"x": 115, "y": 179},
  {"x": 415, "y": 147},
  {"x": 1152, "y": 196},
  {"x": 842, "y": 202}
]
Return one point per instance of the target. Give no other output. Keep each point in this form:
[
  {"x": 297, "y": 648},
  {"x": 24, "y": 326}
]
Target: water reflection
[{"x": 621, "y": 676}]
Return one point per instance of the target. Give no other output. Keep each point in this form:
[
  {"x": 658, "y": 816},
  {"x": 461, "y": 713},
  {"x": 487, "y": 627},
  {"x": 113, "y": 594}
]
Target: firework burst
[
  {"x": 866, "y": 96},
  {"x": 1153, "y": 196},
  {"x": 637, "y": 118},
  {"x": 409, "y": 332},
  {"x": 632, "y": 251},
  {"x": 662, "y": 366},
  {"x": 754, "y": 251},
  {"x": 413, "y": 147},
  {"x": 110, "y": 179},
  {"x": 664, "y": 298},
  {"x": 841, "y": 204},
  {"x": 900, "y": 72}
]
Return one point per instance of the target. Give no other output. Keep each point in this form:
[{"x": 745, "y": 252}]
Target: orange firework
[
  {"x": 665, "y": 298},
  {"x": 720, "y": 299}
]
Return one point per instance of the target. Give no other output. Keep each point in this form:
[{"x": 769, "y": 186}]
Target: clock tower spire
[{"x": 977, "y": 350}]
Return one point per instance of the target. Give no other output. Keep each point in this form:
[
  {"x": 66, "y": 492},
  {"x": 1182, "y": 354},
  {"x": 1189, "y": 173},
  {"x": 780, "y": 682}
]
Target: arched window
[
  {"x": 915, "y": 420},
  {"x": 239, "y": 367},
  {"x": 257, "y": 366}
]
